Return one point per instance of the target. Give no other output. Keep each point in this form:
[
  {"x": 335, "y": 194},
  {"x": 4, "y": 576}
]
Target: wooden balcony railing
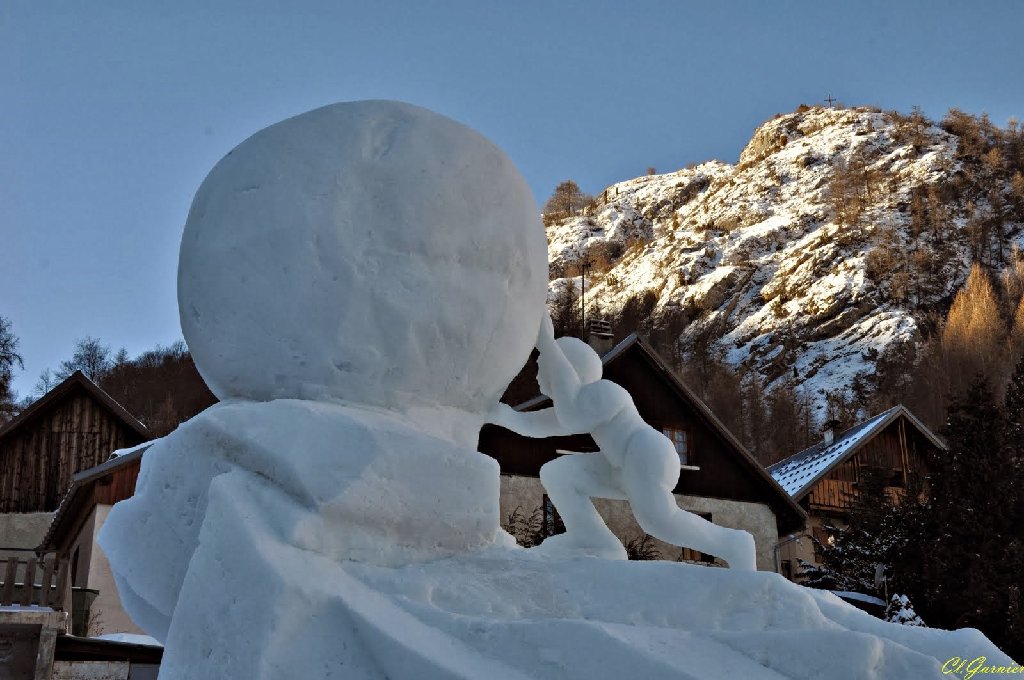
[{"x": 33, "y": 579}]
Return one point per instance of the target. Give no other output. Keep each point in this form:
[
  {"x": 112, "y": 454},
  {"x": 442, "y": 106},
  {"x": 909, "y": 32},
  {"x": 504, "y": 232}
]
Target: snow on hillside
[{"x": 765, "y": 256}]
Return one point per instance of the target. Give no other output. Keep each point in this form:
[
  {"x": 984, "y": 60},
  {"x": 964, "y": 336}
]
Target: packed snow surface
[
  {"x": 374, "y": 252},
  {"x": 361, "y": 484},
  {"x": 251, "y": 550}
]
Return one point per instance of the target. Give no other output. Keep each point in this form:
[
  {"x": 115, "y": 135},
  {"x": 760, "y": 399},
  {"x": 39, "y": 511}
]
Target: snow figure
[
  {"x": 635, "y": 462},
  {"x": 357, "y": 285}
]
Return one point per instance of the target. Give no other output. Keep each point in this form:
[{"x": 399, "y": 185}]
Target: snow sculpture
[
  {"x": 358, "y": 285},
  {"x": 635, "y": 462}
]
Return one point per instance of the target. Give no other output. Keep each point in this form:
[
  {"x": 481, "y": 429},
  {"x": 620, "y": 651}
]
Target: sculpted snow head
[{"x": 373, "y": 252}]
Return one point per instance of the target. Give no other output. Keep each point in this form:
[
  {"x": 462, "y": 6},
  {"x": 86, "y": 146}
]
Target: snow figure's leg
[
  {"x": 570, "y": 482},
  {"x": 650, "y": 471}
]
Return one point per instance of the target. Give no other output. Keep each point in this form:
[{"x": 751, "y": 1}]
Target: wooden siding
[
  {"x": 899, "y": 450},
  {"x": 117, "y": 485},
  {"x": 37, "y": 460}
]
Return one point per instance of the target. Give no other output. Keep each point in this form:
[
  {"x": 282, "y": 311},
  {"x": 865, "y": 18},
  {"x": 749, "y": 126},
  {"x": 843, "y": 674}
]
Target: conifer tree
[
  {"x": 566, "y": 313},
  {"x": 970, "y": 538},
  {"x": 874, "y": 536},
  {"x": 901, "y": 611}
]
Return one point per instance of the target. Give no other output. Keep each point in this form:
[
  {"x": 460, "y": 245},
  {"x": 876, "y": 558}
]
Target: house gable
[
  {"x": 824, "y": 476},
  {"x": 75, "y": 426}
]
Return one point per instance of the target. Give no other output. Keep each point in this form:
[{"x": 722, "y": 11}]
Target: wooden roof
[
  {"x": 76, "y": 381},
  {"x": 72, "y": 648},
  {"x": 791, "y": 513},
  {"x": 800, "y": 472},
  {"x": 79, "y": 497}
]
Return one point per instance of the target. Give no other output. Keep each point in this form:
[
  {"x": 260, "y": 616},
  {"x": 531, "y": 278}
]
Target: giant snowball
[{"x": 373, "y": 252}]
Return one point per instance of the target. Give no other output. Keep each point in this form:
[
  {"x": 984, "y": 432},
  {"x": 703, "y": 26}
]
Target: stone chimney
[{"x": 599, "y": 335}]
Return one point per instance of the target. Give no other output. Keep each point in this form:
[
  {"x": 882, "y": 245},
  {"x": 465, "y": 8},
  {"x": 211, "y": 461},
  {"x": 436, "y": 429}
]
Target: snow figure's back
[{"x": 358, "y": 285}]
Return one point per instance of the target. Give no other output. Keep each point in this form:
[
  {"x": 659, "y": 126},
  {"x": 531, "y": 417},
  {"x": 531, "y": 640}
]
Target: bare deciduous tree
[
  {"x": 568, "y": 200},
  {"x": 91, "y": 357},
  {"x": 9, "y": 358}
]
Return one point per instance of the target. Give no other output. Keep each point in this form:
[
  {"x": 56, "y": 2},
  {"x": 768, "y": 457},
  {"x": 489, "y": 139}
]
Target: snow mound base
[
  {"x": 507, "y": 613},
  {"x": 346, "y": 483}
]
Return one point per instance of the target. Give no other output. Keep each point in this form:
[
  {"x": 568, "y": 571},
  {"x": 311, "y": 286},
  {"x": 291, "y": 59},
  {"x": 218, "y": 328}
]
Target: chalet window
[
  {"x": 786, "y": 568},
  {"x": 690, "y": 555},
  {"x": 681, "y": 440},
  {"x": 897, "y": 478}
]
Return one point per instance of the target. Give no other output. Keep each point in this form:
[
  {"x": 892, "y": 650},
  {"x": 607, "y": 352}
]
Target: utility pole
[
  {"x": 830, "y": 100},
  {"x": 584, "y": 266}
]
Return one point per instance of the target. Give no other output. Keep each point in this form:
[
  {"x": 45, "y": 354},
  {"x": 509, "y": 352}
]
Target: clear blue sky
[{"x": 112, "y": 113}]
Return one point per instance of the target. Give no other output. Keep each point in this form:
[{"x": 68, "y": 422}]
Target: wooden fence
[{"x": 31, "y": 579}]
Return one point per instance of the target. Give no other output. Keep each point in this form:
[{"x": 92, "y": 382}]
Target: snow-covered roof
[
  {"x": 800, "y": 471},
  {"x": 860, "y": 597}
]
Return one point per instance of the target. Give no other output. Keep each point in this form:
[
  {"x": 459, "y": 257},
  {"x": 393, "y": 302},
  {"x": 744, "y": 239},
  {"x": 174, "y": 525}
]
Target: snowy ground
[{"x": 536, "y": 617}]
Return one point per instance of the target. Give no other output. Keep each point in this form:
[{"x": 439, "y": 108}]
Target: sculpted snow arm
[
  {"x": 556, "y": 375},
  {"x": 535, "y": 424}
]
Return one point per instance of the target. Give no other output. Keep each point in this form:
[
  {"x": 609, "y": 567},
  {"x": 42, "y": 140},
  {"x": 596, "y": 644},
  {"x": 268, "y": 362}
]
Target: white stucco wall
[
  {"x": 800, "y": 546},
  {"x": 757, "y": 518},
  {"x": 106, "y": 613},
  {"x": 90, "y": 670},
  {"x": 23, "y": 529}
]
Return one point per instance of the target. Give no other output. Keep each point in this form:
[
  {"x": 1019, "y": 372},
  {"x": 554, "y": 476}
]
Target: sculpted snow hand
[{"x": 635, "y": 462}]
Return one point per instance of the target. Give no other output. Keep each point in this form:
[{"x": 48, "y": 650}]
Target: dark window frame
[{"x": 672, "y": 432}]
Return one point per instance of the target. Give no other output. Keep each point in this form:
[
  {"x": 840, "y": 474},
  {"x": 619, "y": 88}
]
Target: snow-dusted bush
[{"x": 901, "y": 611}]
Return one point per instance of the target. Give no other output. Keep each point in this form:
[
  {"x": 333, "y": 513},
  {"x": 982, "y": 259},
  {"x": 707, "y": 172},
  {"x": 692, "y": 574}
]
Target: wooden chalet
[
  {"x": 715, "y": 466},
  {"x": 824, "y": 479},
  {"x": 73, "y": 427}
]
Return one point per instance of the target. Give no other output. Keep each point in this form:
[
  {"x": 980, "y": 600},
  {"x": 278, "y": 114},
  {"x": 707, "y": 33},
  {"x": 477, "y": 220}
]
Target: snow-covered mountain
[{"x": 833, "y": 237}]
